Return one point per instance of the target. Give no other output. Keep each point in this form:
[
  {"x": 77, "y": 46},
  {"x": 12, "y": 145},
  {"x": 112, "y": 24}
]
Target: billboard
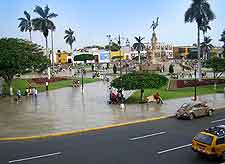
[{"x": 104, "y": 57}]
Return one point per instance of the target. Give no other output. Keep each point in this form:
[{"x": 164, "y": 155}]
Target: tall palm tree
[
  {"x": 43, "y": 24},
  {"x": 200, "y": 12},
  {"x": 206, "y": 47},
  {"x": 222, "y": 39},
  {"x": 26, "y": 24},
  {"x": 139, "y": 46},
  {"x": 70, "y": 38}
]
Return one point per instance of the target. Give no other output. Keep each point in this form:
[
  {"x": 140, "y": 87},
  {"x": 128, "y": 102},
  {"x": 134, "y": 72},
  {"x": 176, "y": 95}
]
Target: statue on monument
[{"x": 155, "y": 24}]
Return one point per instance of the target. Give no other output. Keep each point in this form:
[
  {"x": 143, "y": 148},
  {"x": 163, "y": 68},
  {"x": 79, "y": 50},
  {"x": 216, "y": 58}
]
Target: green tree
[
  {"x": 18, "y": 56},
  {"x": 139, "y": 46},
  {"x": 133, "y": 81},
  {"x": 83, "y": 57},
  {"x": 200, "y": 12},
  {"x": 114, "y": 47},
  {"x": 70, "y": 38},
  {"x": 218, "y": 66},
  {"x": 26, "y": 24},
  {"x": 222, "y": 39},
  {"x": 43, "y": 24},
  {"x": 206, "y": 47}
]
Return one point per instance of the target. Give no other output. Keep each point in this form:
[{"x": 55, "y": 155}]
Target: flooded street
[{"x": 70, "y": 109}]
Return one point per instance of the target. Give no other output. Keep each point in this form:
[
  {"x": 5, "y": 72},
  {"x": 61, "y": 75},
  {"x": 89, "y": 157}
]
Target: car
[
  {"x": 193, "y": 110},
  {"x": 210, "y": 142}
]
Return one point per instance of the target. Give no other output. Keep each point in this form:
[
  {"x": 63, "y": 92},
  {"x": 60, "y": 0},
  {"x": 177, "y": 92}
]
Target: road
[{"x": 158, "y": 142}]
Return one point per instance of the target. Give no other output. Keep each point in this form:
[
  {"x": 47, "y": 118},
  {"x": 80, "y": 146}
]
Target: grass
[
  {"x": 23, "y": 84},
  {"x": 179, "y": 93}
]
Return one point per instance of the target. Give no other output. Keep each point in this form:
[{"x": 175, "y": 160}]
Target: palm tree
[
  {"x": 70, "y": 38},
  {"x": 44, "y": 24},
  {"x": 26, "y": 24},
  {"x": 200, "y": 12},
  {"x": 206, "y": 47},
  {"x": 222, "y": 39},
  {"x": 139, "y": 46}
]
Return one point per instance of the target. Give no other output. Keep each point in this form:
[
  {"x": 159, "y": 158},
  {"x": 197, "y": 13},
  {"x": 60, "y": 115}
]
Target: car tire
[
  {"x": 223, "y": 157},
  {"x": 191, "y": 116},
  {"x": 210, "y": 113}
]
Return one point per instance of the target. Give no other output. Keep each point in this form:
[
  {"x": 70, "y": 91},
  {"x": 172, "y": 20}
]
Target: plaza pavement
[{"x": 71, "y": 109}]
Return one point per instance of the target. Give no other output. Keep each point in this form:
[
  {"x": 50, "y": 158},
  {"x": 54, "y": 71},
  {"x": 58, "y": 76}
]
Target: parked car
[
  {"x": 210, "y": 142},
  {"x": 193, "y": 110}
]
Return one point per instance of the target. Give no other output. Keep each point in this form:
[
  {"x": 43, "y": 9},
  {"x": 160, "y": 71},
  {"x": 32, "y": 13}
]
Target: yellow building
[
  {"x": 62, "y": 57},
  {"x": 116, "y": 55}
]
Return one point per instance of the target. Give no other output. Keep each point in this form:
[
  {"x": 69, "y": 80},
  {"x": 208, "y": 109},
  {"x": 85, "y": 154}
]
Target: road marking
[
  {"x": 176, "y": 148},
  {"x": 218, "y": 121},
  {"x": 36, "y": 157},
  {"x": 150, "y": 135}
]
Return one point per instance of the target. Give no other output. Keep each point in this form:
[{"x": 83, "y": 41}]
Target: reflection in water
[{"x": 70, "y": 109}]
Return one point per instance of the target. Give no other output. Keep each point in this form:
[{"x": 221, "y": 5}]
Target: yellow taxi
[{"x": 210, "y": 142}]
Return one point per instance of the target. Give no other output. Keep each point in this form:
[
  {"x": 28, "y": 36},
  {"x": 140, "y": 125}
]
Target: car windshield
[
  {"x": 203, "y": 138},
  {"x": 185, "y": 105}
]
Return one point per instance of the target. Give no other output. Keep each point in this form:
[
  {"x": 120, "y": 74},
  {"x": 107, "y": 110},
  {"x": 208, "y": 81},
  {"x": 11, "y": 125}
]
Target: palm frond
[
  {"x": 52, "y": 15},
  {"x": 27, "y": 15},
  {"x": 39, "y": 11}
]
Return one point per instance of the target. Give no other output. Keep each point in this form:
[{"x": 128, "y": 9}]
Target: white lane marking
[
  {"x": 150, "y": 135},
  {"x": 176, "y": 148},
  {"x": 218, "y": 121},
  {"x": 36, "y": 157}
]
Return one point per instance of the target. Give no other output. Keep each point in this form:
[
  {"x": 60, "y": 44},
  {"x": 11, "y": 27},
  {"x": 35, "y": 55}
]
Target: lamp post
[{"x": 195, "y": 88}]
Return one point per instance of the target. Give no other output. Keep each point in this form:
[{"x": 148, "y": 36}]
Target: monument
[{"x": 152, "y": 64}]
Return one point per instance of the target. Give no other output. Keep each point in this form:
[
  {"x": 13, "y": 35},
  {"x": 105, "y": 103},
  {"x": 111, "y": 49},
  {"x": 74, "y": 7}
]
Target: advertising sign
[{"x": 104, "y": 57}]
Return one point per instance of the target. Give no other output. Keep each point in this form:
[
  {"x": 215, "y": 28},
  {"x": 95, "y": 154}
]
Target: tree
[
  {"x": 43, "y": 24},
  {"x": 222, "y": 39},
  {"x": 26, "y": 24},
  {"x": 114, "y": 47},
  {"x": 201, "y": 13},
  {"x": 18, "y": 56},
  {"x": 133, "y": 81},
  {"x": 206, "y": 47},
  {"x": 218, "y": 66},
  {"x": 70, "y": 38},
  {"x": 139, "y": 46},
  {"x": 83, "y": 57}
]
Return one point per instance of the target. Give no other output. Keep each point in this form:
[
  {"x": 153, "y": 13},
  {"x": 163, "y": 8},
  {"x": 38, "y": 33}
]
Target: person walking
[
  {"x": 46, "y": 85},
  {"x": 35, "y": 92}
]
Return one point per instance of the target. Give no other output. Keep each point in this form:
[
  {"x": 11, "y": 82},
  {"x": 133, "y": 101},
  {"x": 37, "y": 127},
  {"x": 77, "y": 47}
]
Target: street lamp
[{"x": 195, "y": 88}]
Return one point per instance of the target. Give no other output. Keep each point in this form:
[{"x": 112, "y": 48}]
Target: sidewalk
[{"x": 69, "y": 109}]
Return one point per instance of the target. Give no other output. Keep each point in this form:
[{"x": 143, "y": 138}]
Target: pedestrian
[
  {"x": 35, "y": 92},
  {"x": 92, "y": 67},
  {"x": 18, "y": 94},
  {"x": 27, "y": 92},
  {"x": 46, "y": 85}
]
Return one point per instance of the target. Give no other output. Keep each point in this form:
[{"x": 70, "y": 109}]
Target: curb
[{"x": 73, "y": 132}]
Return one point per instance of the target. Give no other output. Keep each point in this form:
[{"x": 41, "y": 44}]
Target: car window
[
  {"x": 185, "y": 105},
  {"x": 220, "y": 141},
  {"x": 203, "y": 138}
]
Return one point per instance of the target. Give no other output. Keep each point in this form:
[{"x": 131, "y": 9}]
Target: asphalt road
[{"x": 158, "y": 142}]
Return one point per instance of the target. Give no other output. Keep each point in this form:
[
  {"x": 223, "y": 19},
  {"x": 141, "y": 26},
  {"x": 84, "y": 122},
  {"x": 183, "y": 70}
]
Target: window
[
  {"x": 220, "y": 141},
  {"x": 205, "y": 139}
]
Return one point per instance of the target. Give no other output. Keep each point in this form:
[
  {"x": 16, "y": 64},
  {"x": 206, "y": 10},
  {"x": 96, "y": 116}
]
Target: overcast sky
[{"x": 92, "y": 20}]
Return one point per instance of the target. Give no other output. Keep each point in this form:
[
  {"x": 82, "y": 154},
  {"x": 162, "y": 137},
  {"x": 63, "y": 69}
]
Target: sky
[{"x": 92, "y": 20}]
